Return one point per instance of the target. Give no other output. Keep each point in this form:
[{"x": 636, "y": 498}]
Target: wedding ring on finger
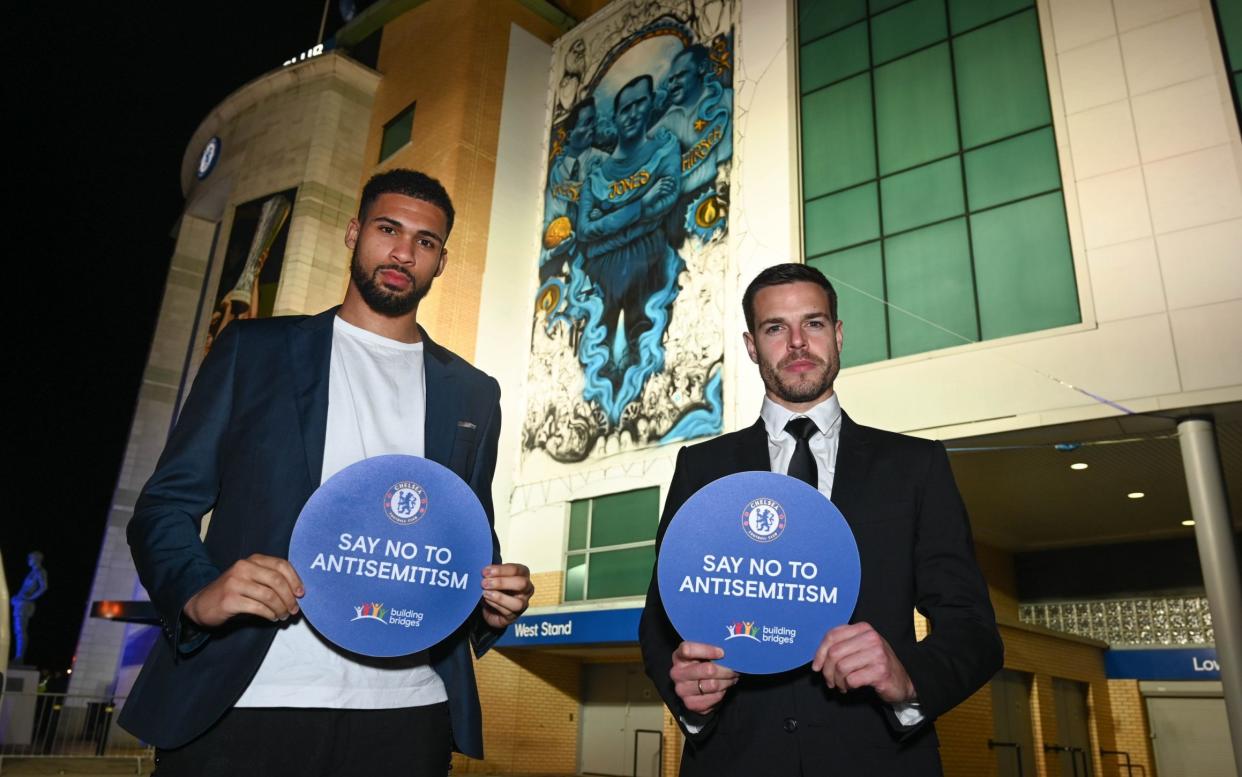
[{"x": 700, "y": 684}]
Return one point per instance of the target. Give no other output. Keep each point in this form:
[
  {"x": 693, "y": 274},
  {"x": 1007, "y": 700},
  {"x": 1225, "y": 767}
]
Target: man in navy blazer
[
  {"x": 249, "y": 447},
  {"x": 866, "y": 702}
]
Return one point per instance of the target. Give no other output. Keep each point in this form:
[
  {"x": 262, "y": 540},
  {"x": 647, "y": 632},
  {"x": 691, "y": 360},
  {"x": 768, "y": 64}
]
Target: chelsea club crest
[
  {"x": 763, "y": 520},
  {"x": 405, "y": 503}
]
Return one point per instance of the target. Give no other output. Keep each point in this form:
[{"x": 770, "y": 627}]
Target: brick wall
[{"x": 1130, "y": 725}]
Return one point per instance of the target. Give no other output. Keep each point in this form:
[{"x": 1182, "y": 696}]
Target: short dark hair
[
  {"x": 616, "y": 100},
  {"x": 576, "y": 111},
  {"x": 698, "y": 53},
  {"x": 410, "y": 183},
  {"x": 780, "y": 274}
]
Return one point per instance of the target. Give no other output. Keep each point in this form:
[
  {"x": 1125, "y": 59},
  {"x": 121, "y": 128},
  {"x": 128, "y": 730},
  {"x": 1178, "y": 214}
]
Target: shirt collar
[{"x": 826, "y": 415}]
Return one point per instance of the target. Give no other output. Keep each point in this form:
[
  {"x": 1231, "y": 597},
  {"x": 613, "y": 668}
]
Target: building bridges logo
[
  {"x": 742, "y": 629},
  {"x": 376, "y": 611},
  {"x": 370, "y": 610}
]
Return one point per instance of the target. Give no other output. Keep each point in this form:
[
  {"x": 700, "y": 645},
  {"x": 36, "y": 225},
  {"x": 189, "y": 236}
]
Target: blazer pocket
[{"x": 461, "y": 460}]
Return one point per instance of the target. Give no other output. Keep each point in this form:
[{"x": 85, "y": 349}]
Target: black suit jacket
[
  {"x": 248, "y": 447},
  {"x": 899, "y": 497}
]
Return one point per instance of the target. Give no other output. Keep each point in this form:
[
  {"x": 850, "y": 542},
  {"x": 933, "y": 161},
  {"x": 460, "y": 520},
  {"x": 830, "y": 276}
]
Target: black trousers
[{"x": 267, "y": 742}]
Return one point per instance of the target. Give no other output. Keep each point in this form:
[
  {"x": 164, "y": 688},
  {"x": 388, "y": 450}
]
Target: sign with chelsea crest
[
  {"x": 391, "y": 551},
  {"x": 761, "y": 565}
]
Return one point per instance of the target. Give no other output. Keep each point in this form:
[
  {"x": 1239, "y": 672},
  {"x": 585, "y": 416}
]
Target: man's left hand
[
  {"x": 506, "y": 593},
  {"x": 856, "y": 656}
]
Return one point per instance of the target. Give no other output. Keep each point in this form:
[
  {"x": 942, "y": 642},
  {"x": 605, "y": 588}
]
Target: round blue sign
[
  {"x": 760, "y": 565},
  {"x": 208, "y": 158},
  {"x": 391, "y": 551}
]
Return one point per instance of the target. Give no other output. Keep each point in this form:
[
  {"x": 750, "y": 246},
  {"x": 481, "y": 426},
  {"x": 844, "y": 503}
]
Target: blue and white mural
[{"x": 627, "y": 340}]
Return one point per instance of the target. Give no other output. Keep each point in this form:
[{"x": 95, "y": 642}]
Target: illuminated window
[
  {"x": 611, "y": 547},
  {"x": 397, "y": 133},
  {"x": 930, "y": 178}
]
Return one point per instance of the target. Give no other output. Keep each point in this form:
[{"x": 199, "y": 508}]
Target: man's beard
[
  {"x": 803, "y": 391},
  {"x": 380, "y": 298}
]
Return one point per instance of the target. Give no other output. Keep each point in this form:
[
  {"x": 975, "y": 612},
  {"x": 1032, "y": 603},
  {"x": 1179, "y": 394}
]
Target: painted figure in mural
[
  {"x": 698, "y": 115},
  {"x": 620, "y": 216},
  {"x": 867, "y": 701},
  {"x": 23, "y": 602},
  {"x": 242, "y": 301},
  {"x": 565, "y": 177}
]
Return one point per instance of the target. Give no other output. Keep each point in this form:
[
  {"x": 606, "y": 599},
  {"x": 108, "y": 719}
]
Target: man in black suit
[
  {"x": 241, "y": 684},
  {"x": 866, "y": 703}
]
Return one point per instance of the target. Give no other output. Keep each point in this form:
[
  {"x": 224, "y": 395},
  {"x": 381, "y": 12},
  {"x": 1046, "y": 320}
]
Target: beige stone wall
[{"x": 447, "y": 57}]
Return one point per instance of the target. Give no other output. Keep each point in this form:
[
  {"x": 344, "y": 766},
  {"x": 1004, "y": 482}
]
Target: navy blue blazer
[
  {"x": 901, "y": 502},
  {"x": 248, "y": 447}
]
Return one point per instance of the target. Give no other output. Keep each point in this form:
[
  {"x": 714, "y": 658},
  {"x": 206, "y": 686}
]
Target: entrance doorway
[
  {"x": 622, "y": 721},
  {"x": 1072, "y": 727},
  {"x": 1012, "y": 740},
  {"x": 1190, "y": 736}
]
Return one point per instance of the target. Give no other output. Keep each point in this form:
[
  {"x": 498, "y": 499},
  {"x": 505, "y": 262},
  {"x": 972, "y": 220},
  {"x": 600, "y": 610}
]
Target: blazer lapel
[
  {"x": 751, "y": 450},
  {"x": 853, "y": 462},
  {"x": 310, "y": 343},
  {"x": 442, "y": 403}
]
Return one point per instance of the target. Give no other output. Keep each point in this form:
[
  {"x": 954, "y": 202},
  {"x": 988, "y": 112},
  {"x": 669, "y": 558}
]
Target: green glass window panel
[
  {"x": 835, "y": 57},
  {"x": 1023, "y": 267},
  {"x": 1012, "y": 169},
  {"x": 632, "y": 516},
  {"x": 920, "y": 196},
  {"x": 620, "y": 572},
  {"x": 838, "y": 144},
  {"x": 1230, "y": 14},
  {"x": 912, "y": 26},
  {"x": 820, "y": 17},
  {"x": 578, "y": 512},
  {"x": 858, "y": 276},
  {"x": 914, "y": 109},
  {"x": 965, "y": 14},
  {"x": 397, "y": 133},
  {"x": 1001, "y": 87},
  {"x": 575, "y": 578},
  {"x": 881, "y": 5},
  {"x": 930, "y": 289},
  {"x": 842, "y": 219}
]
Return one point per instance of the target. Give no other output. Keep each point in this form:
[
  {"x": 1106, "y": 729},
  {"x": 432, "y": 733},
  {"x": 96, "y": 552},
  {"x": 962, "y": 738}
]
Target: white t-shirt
[{"x": 377, "y": 404}]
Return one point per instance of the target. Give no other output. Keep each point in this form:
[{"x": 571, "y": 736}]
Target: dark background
[{"x": 104, "y": 98}]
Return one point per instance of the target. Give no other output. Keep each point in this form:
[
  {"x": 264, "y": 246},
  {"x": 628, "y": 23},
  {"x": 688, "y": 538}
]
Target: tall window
[
  {"x": 611, "y": 548},
  {"x": 929, "y": 172},
  {"x": 1229, "y": 21},
  {"x": 397, "y": 133}
]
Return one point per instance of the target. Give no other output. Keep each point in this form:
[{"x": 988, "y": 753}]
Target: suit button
[{"x": 790, "y": 725}]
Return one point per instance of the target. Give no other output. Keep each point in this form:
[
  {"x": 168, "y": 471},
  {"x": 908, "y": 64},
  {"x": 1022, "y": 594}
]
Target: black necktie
[{"x": 802, "y": 465}]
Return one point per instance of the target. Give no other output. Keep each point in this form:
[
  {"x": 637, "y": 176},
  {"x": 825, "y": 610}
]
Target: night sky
[{"x": 104, "y": 98}]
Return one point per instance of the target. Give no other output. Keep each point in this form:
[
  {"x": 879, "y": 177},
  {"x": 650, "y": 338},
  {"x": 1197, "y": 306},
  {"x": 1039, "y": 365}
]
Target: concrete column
[{"x": 1214, "y": 535}]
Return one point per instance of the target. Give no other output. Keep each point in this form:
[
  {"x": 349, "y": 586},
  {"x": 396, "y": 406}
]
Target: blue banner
[
  {"x": 584, "y": 627},
  {"x": 1162, "y": 664}
]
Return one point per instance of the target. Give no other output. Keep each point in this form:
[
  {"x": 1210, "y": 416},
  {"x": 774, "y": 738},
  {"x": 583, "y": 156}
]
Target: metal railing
[{"x": 58, "y": 724}]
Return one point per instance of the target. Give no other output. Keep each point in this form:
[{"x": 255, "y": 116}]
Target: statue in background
[{"x": 23, "y": 602}]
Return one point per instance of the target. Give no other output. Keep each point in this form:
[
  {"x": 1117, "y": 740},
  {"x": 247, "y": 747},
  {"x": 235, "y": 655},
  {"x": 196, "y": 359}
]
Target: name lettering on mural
[
  {"x": 700, "y": 151},
  {"x": 629, "y": 184}
]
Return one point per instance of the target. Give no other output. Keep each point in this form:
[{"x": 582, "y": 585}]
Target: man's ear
[
  {"x": 351, "y": 234},
  {"x": 749, "y": 339},
  {"x": 443, "y": 261}
]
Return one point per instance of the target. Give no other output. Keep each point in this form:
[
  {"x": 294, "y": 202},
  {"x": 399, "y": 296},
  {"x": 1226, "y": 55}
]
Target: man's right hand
[
  {"x": 699, "y": 681},
  {"x": 260, "y": 585}
]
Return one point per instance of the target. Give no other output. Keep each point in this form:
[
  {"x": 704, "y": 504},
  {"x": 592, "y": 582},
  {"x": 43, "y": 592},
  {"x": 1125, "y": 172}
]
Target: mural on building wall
[
  {"x": 627, "y": 342},
  {"x": 252, "y": 261}
]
